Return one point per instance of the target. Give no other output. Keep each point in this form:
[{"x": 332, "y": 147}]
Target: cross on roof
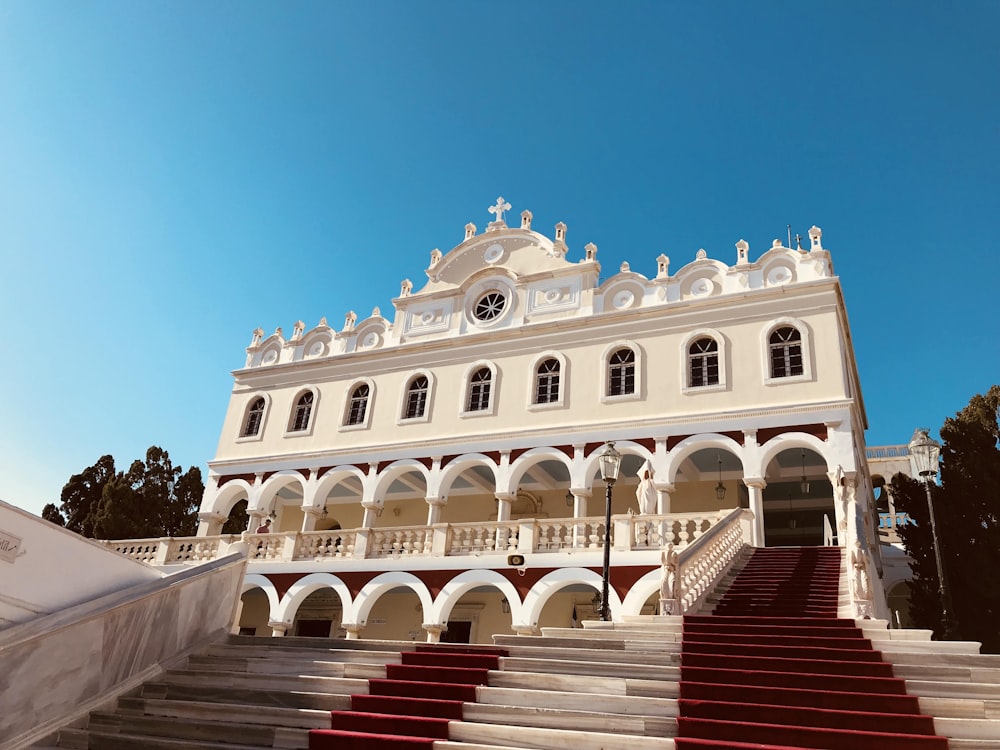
[{"x": 499, "y": 208}]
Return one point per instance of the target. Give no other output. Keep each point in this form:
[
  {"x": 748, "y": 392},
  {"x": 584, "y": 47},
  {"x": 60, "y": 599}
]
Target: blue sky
[{"x": 173, "y": 175}]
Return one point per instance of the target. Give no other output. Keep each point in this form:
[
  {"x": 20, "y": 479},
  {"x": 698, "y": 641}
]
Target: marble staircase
[{"x": 610, "y": 686}]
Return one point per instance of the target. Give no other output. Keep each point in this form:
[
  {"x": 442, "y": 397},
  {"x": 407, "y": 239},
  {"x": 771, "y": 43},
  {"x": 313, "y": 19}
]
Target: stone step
[
  {"x": 205, "y": 730},
  {"x": 584, "y": 684},
  {"x": 972, "y": 661},
  {"x": 281, "y": 666},
  {"x": 666, "y": 657},
  {"x": 302, "y": 718},
  {"x": 932, "y": 689},
  {"x": 969, "y": 729},
  {"x": 81, "y": 739},
  {"x": 552, "y": 739},
  {"x": 628, "y": 705},
  {"x": 578, "y": 720},
  {"x": 582, "y": 641},
  {"x": 268, "y": 653},
  {"x": 354, "y": 674},
  {"x": 601, "y": 669},
  {"x": 942, "y": 673},
  {"x": 258, "y": 697},
  {"x": 960, "y": 708}
]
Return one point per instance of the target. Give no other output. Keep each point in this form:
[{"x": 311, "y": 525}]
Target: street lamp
[
  {"x": 924, "y": 454},
  {"x": 610, "y": 461}
]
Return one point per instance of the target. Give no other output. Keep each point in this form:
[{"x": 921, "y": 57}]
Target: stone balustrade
[
  {"x": 531, "y": 535},
  {"x": 700, "y": 565}
]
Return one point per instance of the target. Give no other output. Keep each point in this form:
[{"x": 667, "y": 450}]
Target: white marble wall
[
  {"x": 44, "y": 568},
  {"x": 57, "y": 667}
]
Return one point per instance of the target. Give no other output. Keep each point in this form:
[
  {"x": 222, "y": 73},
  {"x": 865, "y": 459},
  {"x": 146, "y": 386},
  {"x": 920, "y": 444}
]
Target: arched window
[
  {"x": 786, "y": 352},
  {"x": 416, "y": 398},
  {"x": 255, "y": 415},
  {"x": 303, "y": 409},
  {"x": 703, "y": 363},
  {"x": 621, "y": 373},
  {"x": 359, "y": 405},
  {"x": 547, "y": 382},
  {"x": 479, "y": 389}
]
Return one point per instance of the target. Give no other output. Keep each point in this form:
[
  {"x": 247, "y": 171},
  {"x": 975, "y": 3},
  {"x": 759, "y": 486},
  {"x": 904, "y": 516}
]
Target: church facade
[{"x": 434, "y": 474}]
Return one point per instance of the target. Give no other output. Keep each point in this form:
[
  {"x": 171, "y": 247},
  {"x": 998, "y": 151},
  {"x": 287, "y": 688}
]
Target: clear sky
[{"x": 174, "y": 174}]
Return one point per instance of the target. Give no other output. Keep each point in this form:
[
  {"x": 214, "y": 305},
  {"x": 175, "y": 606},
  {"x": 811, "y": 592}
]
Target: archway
[
  {"x": 798, "y": 499},
  {"x": 319, "y": 616},
  {"x": 255, "y": 613}
]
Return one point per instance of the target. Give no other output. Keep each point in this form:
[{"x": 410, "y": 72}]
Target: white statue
[
  {"x": 669, "y": 581},
  {"x": 645, "y": 493}
]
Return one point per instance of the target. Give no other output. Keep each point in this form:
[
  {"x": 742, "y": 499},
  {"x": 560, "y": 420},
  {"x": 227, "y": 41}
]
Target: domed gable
[{"x": 517, "y": 253}]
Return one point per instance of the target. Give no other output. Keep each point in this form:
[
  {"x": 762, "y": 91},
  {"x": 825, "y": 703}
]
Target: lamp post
[
  {"x": 924, "y": 454},
  {"x": 610, "y": 461}
]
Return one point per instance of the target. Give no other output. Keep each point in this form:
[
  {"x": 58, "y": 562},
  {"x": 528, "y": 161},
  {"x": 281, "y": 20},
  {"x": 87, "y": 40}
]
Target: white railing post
[
  {"x": 162, "y": 552},
  {"x": 526, "y": 533}
]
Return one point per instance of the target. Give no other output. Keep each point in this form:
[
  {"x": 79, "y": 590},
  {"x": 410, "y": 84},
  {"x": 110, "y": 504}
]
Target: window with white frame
[
  {"x": 480, "y": 386},
  {"x": 416, "y": 398},
  {"x": 703, "y": 363},
  {"x": 358, "y": 406},
  {"x": 621, "y": 372},
  {"x": 254, "y": 418},
  {"x": 547, "y": 382},
  {"x": 785, "y": 346},
  {"x": 302, "y": 412}
]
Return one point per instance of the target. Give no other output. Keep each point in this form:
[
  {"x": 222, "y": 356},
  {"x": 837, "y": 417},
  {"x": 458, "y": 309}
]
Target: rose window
[{"x": 489, "y": 306}]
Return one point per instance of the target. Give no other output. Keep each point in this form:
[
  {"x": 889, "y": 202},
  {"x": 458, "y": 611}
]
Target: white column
[
  {"x": 504, "y": 502},
  {"x": 310, "y": 516},
  {"x": 755, "y": 486},
  {"x": 372, "y": 511},
  {"x": 210, "y": 524},
  {"x": 433, "y": 632},
  {"x": 581, "y": 500},
  {"x": 434, "y": 505}
]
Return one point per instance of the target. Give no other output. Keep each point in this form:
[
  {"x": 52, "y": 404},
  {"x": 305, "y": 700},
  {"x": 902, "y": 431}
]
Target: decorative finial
[
  {"x": 297, "y": 330},
  {"x": 742, "y": 252},
  {"x": 323, "y": 323},
  {"x": 526, "y": 217},
  {"x": 662, "y": 266},
  {"x": 258, "y": 334},
  {"x": 624, "y": 267},
  {"x": 435, "y": 256},
  {"x": 591, "y": 251},
  {"x": 405, "y": 288},
  {"x": 376, "y": 312},
  {"x": 499, "y": 209},
  {"x": 701, "y": 254},
  {"x": 349, "y": 320},
  {"x": 815, "y": 237}
]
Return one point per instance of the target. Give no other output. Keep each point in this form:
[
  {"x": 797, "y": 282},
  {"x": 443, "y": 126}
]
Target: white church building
[{"x": 434, "y": 474}]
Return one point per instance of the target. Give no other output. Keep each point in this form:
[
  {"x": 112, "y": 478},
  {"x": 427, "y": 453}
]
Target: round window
[{"x": 490, "y": 306}]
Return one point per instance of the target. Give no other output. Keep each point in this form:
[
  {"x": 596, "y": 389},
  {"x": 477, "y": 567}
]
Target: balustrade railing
[
  {"x": 702, "y": 563},
  {"x": 400, "y": 542},
  {"x": 529, "y": 535}
]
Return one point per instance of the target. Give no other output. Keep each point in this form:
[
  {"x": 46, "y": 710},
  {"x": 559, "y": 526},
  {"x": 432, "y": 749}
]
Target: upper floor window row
[{"x": 703, "y": 368}]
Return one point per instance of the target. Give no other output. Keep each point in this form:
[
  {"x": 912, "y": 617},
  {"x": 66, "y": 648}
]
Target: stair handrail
[
  {"x": 829, "y": 536},
  {"x": 690, "y": 575}
]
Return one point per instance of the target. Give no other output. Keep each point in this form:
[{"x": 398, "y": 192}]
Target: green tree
[
  {"x": 180, "y": 517},
  {"x": 153, "y": 498},
  {"x": 238, "y": 519},
  {"x": 967, "y": 511},
  {"x": 52, "y": 514},
  {"x": 121, "y": 513},
  {"x": 81, "y": 495}
]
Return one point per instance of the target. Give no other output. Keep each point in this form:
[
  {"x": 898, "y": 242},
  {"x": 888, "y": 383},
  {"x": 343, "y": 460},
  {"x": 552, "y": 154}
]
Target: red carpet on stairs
[
  {"x": 774, "y": 669},
  {"x": 411, "y": 707}
]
